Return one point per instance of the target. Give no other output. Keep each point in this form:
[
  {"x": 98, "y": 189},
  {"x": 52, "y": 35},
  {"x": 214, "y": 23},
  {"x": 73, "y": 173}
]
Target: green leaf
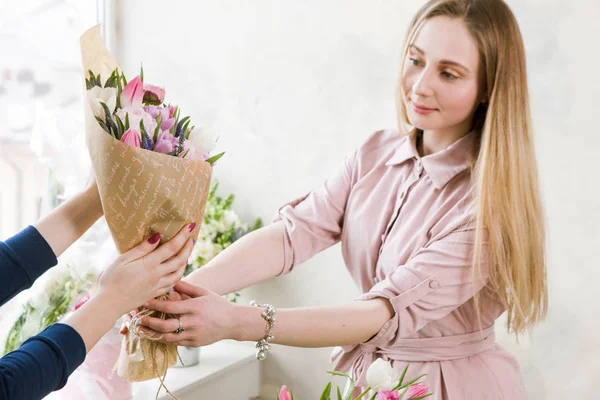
[
  {"x": 363, "y": 394},
  {"x": 407, "y": 384},
  {"x": 108, "y": 120},
  {"x": 157, "y": 129},
  {"x": 103, "y": 125},
  {"x": 180, "y": 126},
  {"x": 111, "y": 81},
  {"x": 257, "y": 224},
  {"x": 126, "y": 122},
  {"x": 98, "y": 81},
  {"x": 399, "y": 385},
  {"x": 215, "y": 158},
  {"x": 338, "y": 373},
  {"x": 107, "y": 113},
  {"x": 124, "y": 80},
  {"x": 142, "y": 72},
  {"x": 120, "y": 125},
  {"x": 142, "y": 128},
  {"x": 119, "y": 90},
  {"x": 326, "y": 395},
  {"x": 339, "y": 394},
  {"x": 184, "y": 131},
  {"x": 176, "y": 116}
]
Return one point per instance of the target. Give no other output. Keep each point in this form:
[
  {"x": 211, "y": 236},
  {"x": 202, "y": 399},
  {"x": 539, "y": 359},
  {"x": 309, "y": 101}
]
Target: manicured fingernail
[
  {"x": 154, "y": 238},
  {"x": 192, "y": 226}
]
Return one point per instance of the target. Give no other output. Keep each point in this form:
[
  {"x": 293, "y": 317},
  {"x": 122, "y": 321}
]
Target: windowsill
[{"x": 228, "y": 369}]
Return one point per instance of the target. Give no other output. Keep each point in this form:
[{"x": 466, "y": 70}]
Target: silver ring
[{"x": 180, "y": 329}]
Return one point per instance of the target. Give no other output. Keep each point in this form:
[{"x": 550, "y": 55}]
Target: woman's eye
[{"x": 449, "y": 76}]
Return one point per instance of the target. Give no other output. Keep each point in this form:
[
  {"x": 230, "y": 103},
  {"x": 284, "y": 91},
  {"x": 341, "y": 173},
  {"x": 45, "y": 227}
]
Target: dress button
[
  {"x": 418, "y": 168},
  {"x": 434, "y": 284}
]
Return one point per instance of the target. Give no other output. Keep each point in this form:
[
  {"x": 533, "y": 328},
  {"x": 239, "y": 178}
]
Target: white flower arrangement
[{"x": 221, "y": 227}]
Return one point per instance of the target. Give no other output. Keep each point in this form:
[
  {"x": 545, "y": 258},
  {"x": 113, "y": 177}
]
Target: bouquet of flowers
[
  {"x": 385, "y": 383},
  {"x": 221, "y": 227},
  {"x": 153, "y": 171}
]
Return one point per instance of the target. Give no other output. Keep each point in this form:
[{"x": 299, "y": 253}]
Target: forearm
[
  {"x": 254, "y": 258},
  {"x": 64, "y": 225},
  {"x": 327, "y": 326},
  {"x": 96, "y": 317}
]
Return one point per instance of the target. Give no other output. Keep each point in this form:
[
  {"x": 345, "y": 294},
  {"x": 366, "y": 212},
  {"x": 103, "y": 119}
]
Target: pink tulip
[
  {"x": 284, "y": 394},
  {"x": 387, "y": 395},
  {"x": 153, "y": 95},
  {"x": 133, "y": 94},
  {"x": 416, "y": 391},
  {"x": 131, "y": 137}
]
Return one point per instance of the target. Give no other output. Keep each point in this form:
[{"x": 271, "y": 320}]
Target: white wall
[{"x": 293, "y": 86}]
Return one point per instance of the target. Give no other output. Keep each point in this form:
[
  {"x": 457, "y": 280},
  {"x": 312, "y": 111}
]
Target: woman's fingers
[{"x": 173, "y": 246}]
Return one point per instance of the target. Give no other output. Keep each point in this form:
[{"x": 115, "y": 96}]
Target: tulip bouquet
[
  {"x": 134, "y": 113},
  {"x": 153, "y": 170},
  {"x": 385, "y": 383}
]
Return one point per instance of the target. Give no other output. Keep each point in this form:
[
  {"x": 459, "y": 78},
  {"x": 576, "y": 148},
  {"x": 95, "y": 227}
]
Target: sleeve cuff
[{"x": 68, "y": 343}]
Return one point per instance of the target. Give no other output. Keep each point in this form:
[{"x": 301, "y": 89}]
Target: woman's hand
[
  {"x": 146, "y": 271},
  {"x": 205, "y": 317},
  {"x": 173, "y": 295}
]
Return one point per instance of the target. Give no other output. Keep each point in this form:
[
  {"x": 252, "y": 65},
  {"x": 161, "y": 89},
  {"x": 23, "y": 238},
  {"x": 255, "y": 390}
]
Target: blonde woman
[{"x": 441, "y": 224}]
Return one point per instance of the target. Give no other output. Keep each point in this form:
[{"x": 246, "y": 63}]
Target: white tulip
[
  {"x": 381, "y": 375},
  {"x": 203, "y": 142},
  {"x": 106, "y": 95}
]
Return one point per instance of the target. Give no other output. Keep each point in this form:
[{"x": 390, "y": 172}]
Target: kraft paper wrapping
[{"x": 142, "y": 192}]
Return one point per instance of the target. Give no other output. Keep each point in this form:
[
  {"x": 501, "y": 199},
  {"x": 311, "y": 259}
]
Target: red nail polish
[
  {"x": 154, "y": 238},
  {"x": 192, "y": 226}
]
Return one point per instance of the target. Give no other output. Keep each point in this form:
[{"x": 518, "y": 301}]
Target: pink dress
[{"x": 405, "y": 223}]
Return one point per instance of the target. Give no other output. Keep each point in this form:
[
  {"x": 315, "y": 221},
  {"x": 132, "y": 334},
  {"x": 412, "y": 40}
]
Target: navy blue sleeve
[
  {"x": 23, "y": 258},
  {"x": 42, "y": 364}
]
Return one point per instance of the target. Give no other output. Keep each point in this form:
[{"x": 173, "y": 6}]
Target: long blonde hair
[{"x": 508, "y": 209}]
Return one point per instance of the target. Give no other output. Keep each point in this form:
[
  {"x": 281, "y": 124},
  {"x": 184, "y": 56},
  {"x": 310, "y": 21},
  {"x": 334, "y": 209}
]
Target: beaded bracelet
[{"x": 262, "y": 346}]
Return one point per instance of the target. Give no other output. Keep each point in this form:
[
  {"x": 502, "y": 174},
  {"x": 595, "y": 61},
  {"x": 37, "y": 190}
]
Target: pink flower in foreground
[
  {"x": 387, "y": 395},
  {"x": 284, "y": 394},
  {"x": 131, "y": 137},
  {"x": 416, "y": 391}
]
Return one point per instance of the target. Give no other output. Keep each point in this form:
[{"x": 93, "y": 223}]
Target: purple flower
[
  {"x": 165, "y": 143},
  {"x": 165, "y": 113}
]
